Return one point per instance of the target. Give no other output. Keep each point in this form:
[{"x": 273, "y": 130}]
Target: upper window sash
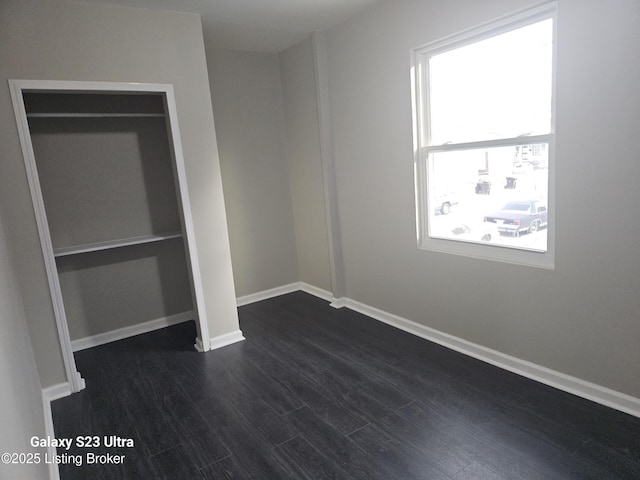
[{"x": 491, "y": 30}]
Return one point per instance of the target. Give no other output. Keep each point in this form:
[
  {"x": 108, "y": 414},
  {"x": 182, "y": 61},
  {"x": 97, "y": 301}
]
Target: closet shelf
[
  {"x": 124, "y": 242},
  {"x": 93, "y": 115}
]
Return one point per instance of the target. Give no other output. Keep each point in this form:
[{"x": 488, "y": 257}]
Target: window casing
[{"x": 484, "y": 137}]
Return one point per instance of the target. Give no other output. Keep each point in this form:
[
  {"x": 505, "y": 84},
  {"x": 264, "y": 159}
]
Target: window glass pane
[
  {"x": 495, "y": 196},
  {"x": 496, "y": 88}
]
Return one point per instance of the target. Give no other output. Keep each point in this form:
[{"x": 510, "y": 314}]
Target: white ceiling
[{"x": 258, "y": 25}]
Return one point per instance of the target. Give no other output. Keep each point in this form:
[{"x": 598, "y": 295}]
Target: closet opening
[{"x": 108, "y": 184}]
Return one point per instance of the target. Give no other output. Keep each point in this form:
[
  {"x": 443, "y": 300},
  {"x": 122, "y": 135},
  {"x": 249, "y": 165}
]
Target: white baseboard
[
  {"x": 133, "y": 330},
  {"x": 283, "y": 290},
  {"x": 54, "y": 472},
  {"x": 54, "y": 392},
  {"x": 576, "y": 386},
  {"x": 226, "y": 339},
  {"x": 338, "y": 302},
  {"x": 198, "y": 345},
  {"x": 49, "y": 394},
  {"x": 561, "y": 381},
  {"x": 266, "y": 294},
  {"x": 316, "y": 292}
]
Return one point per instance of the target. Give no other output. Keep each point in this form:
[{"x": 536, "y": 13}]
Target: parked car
[
  {"x": 443, "y": 201},
  {"x": 518, "y": 216}
]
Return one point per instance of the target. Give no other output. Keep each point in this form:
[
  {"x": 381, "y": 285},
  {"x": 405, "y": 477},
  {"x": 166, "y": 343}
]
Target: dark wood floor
[{"x": 318, "y": 393}]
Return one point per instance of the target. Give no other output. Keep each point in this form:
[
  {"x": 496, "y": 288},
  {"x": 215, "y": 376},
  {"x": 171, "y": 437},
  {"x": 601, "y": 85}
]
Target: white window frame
[{"x": 422, "y": 147}]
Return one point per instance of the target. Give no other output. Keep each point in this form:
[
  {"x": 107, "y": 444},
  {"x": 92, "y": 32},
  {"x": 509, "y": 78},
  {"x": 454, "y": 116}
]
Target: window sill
[{"x": 486, "y": 251}]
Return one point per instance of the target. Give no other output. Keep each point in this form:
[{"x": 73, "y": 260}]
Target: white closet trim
[
  {"x": 76, "y": 382},
  {"x": 17, "y": 88}
]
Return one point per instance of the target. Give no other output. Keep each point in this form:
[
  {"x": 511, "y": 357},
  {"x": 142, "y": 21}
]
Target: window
[{"x": 484, "y": 135}]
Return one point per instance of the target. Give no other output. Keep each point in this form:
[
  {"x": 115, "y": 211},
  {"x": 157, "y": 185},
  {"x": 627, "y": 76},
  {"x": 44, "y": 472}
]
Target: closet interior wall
[{"x": 107, "y": 180}]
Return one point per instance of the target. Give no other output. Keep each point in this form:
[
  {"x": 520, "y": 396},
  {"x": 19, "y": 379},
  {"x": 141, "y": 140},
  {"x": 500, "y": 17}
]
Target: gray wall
[
  {"x": 247, "y": 103},
  {"x": 123, "y": 287},
  {"x": 582, "y": 317},
  {"x": 107, "y": 179},
  {"x": 104, "y": 179},
  {"x": 61, "y": 40},
  {"x": 305, "y": 164},
  {"x": 21, "y": 414}
]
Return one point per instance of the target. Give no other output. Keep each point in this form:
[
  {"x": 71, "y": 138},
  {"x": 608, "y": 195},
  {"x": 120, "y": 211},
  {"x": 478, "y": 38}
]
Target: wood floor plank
[
  {"x": 275, "y": 396},
  {"x": 403, "y": 463},
  {"x": 304, "y": 388},
  {"x": 610, "y": 461},
  {"x": 156, "y": 430},
  {"x": 227, "y": 468},
  {"x": 336, "y": 447},
  {"x": 426, "y": 443},
  {"x": 308, "y": 463},
  {"x": 170, "y": 465},
  {"x": 358, "y": 397},
  {"x": 202, "y": 444},
  {"x": 476, "y": 471},
  {"x": 252, "y": 455}
]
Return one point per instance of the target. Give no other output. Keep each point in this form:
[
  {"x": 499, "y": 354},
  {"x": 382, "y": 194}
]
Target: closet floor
[{"x": 318, "y": 393}]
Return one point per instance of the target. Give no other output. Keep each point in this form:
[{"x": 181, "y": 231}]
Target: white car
[
  {"x": 478, "y": 232},
  {"x": 442, "y": 202}
]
